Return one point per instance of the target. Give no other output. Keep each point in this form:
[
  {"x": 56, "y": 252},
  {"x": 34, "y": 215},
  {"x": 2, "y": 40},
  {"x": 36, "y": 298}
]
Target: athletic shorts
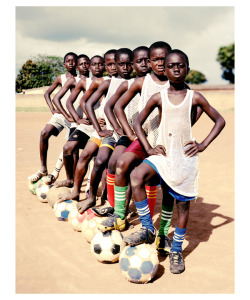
[
  {"x": 136, "y": 147},
  {"x": 96, "y": 140},
  {"x": 108, "y": 141},
  {"x": 80, "y": 137},
  {"x": 123, "y": 141},
  {"x": 58, "y": 121},
  {"x": 174, "y": 194}
]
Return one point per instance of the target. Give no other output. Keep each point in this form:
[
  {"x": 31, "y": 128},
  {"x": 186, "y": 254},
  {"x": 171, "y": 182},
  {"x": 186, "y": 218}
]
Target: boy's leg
[
  {"x": 139, "y": 177},
  {"x": 88, "y": 152},
  {"x": 46, "y": 133}
]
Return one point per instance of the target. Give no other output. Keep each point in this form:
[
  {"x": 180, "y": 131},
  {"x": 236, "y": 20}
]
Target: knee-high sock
[
  {"x": 178, "y": 239},
  {"x": 110, "y": 188},
  {"x": 144, "y": 214},
  {"x": 90, "y": 168},
  {"x": 59, "y": 165},
  {"x": 120, "y": 200},
  {"x": 151, "y": 192},
  {"x": 166, "y": 216}
]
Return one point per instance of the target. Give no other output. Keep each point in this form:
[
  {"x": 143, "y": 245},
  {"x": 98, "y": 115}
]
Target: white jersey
[
  {"x": 132, "y": 109},
  {"x": 113, "y": 86},
  {"x": 149, "y": 88},
  {"x": 179, "y": 171}
]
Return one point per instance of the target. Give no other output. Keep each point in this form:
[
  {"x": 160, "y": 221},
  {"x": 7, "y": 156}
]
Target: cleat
[
  {"x": 113, "y": 222},
  {"x": 163, "y": 245},
  {"x": 177, "y": 265},
  {"x": 143, "y": 235},
  {"x": 103, "y": 211}
]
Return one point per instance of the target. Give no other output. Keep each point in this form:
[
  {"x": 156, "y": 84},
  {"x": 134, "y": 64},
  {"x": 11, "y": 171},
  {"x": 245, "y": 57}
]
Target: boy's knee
[
  {"x": 67, "y": 150},
  {"x": 122, "y": 167},
  {"x": 183, "y": 206},
  {"x": 111, "y": 166},
  {"x": 44, "y": 134},
  {"x": 136, "y": 178},
  {"x": 84, "y": 157},
  {"x": 99, "y": 162}
]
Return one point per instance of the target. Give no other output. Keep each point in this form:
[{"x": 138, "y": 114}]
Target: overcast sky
[{"x": 198, "y": 31}]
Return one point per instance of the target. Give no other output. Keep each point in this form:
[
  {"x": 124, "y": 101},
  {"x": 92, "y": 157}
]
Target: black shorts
[
  {"x": 123, "y": 141},
  {"x": 80, "y": 137}
]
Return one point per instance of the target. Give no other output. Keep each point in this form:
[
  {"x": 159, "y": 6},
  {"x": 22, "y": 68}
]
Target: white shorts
[{"x": 60, "y": 122}]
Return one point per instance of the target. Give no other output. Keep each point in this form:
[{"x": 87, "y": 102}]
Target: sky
[{"x": 199, "y": 31}]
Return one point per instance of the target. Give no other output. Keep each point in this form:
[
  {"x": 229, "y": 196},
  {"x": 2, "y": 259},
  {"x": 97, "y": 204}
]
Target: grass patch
[{"x": 32, "y": 109}]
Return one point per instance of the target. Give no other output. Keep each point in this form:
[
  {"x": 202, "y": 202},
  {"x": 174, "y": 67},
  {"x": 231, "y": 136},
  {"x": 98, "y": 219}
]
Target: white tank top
[
  {"x": 149, "y": 88},
  {"x": 176, "y": 169},
  {"x": 113, "y": 86}
]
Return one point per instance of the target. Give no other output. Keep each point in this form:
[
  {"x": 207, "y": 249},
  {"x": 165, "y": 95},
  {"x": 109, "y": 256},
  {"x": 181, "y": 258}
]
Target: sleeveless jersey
[
  {"x": 176, "y": 169},
  {"x": 113, "y": 86},
  {"x": 149, "y": 88},
  {"x": 132, "y": 109}
]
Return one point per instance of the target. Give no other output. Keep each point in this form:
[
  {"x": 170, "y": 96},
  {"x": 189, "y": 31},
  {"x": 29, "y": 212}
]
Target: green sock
[
  {"x": 120, "y": 200},
  {"x": 166, "y": 216}
]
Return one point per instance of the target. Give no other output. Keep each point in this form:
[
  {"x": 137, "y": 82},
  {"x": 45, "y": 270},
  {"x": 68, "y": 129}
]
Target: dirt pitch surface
[{"x": 53, "y": 258}]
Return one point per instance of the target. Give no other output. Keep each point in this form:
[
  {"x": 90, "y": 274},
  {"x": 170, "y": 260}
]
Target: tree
[
  {"x": 39, "y": 71},
  {"x": 226, "y": 59},
  {"x": 195, "y": 77}
]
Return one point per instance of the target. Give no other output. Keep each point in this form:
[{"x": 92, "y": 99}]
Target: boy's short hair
[
  {"x": 123, "y": 51},
  {"x": 111, "y": 51},
  {"x": 83, "y": 56},
  {"x": 99, "y": 56},
  {"x": 70, "y": 53},
  {"x": 140, "y": 48},
  {"x": 160, "y": 44},
  {"x": 179, "y": 52}
]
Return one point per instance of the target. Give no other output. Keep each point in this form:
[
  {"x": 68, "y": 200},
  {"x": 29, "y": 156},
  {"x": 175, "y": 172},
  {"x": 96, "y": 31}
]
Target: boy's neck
[
  {"x": 71, "y": 74},
  {"x": 177, "y": 86},
  {"x": 157, "y": 77}
]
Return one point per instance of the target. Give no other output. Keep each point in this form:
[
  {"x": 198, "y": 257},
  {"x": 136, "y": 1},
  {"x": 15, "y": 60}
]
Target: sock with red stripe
[
  {"x": 110, "y": 188},
  {"x": 151, "y": 192}
]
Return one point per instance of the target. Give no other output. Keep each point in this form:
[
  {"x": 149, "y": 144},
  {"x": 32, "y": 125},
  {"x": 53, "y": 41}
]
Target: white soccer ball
[
  {"x": 107, "y": 246},
  {"x": 42, "y": 191},
  {"x": 32, "y": 185},
  {"x": 63, "y": 209},
  {"x": 89, "y": 226},
  {"x": 139, "y": 264}
]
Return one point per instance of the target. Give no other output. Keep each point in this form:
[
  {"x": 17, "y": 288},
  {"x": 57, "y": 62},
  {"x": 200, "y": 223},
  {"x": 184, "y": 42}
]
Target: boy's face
[
  {"x": 110, "y": 64},
  {"x": 96, "y": 66},
  {"x": 70, "y": 62},
  {"x": 83, "y": 66},
  {"x": 124, "y": 65},
  {"x": 157, "y": 57},
  {"x": 141, "y": 63},
  {"x": 176, "y": 68}
]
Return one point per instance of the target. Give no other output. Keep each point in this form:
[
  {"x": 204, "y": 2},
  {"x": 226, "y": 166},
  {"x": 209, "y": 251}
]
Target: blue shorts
[{"x": 171, "y": 192}]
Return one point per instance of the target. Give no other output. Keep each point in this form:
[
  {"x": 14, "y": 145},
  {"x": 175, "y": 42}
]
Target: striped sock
[
  {"x": 59, "y": 165},
  {"x": 120, "y": 200},
  {"x": 144, "y": 214},
  {"x": 166, "y": 216},
  {"x": 178, "y": 239},
  {"x": 110, "y": 188},
  {"x": 151, "y": 192}
]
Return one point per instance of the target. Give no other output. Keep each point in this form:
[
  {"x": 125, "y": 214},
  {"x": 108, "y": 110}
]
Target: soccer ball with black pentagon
[
  {"x": 107, "y": 246},
  {"x": 63, "y": 209},
  {"x": 139, "y": 264},
  {"x": 42, "y": 191}
]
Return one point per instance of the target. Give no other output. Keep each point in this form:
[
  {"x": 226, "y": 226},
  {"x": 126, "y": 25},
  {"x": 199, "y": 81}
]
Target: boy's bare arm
[
  {"x": 215, "y": 116},
  {"x": 102, "y": 90},
  {"x": 80, "y": 86},
  {"x": 153, "y": 102},
  {"x": 109, "y": 107},
  {"x": 57, "y": 99},
  {"x": 49, "y": 91},
  {"x": 120, "y": 105}
]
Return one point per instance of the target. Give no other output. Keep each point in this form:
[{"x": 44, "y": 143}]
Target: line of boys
[{"x": 121, "y": 150}]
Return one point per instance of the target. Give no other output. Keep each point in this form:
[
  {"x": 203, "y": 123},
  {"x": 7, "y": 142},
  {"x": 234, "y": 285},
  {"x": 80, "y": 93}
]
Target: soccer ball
[
  {"x": 42, "y": 191},
  {"x": 32, "y": 185},
  {"x": 139, "y": 264},
  {"x": 63, "y": 209},
  {"x": 76, "y": 218},
  {"x": 52, "y": 195},
  {"x": 107, "y": 246},
  {"x": 89, "y": 226}
]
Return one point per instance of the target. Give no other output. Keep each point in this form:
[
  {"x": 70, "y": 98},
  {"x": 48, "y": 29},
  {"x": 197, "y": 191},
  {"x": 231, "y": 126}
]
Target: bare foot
[
  {"x": 71, "y": 196},
  {"x": 84, "y": 205},
  {"x": 67, "y": 183}
]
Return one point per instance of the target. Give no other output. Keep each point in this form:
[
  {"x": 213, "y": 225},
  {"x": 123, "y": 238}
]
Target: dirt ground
[{"x": 53, "y": 258}]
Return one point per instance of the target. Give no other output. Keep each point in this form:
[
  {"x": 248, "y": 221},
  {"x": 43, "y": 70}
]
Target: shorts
[
  {"x": 58, "y": 121},
  {"x": 108, "y": 141},
  {"x": 174, "y": 194},
  {"x": 95, "y": 140},
  {"x": 124, "y": 141},
  {"x": 80, "y": 137},
  {"x": 136, "y": 147}
]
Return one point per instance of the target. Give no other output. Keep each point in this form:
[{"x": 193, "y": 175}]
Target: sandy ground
[{"x": 53, "y": 258}]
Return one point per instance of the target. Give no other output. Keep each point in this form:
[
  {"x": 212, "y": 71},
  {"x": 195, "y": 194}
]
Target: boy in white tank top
[
  {"x": 175, "y": 157},
  {"x": 57, "y": 122},
  {"x": 142, "y": 67},
  {"x": 81, "y": 134}
]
